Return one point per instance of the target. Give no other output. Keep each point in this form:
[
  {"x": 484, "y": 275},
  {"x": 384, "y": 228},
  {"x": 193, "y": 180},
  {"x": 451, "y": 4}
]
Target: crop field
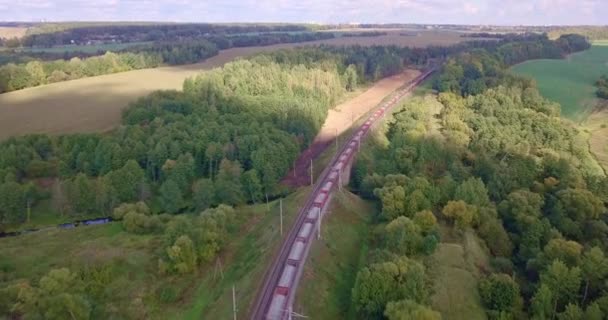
[
  {"x": 12, "y": 32},
  {"x": 95, "y": 104},
  {"x": 86, "y": 48},
  {"x": 570, "y": 81}
]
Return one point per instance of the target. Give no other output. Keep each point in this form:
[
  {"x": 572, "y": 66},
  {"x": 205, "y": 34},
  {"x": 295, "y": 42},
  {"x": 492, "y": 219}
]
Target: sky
[{"x": 495, "y": 12}]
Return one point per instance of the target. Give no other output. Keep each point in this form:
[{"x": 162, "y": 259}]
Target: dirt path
[{"x": 341, "y": 118}]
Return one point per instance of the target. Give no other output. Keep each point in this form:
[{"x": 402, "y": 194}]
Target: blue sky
[{"x": 503, "y": 12}]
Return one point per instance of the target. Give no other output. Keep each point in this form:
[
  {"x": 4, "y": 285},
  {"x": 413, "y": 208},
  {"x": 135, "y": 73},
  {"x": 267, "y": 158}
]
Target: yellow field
[
  {"x": 95, "y": 104},
  {"x": 12, "y": 32}
]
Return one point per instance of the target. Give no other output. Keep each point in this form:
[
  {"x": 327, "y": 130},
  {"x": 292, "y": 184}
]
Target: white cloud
[{"x": 327, "y": 11}]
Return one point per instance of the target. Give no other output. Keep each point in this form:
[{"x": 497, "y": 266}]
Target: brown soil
[{"x": 340, "y": 119}]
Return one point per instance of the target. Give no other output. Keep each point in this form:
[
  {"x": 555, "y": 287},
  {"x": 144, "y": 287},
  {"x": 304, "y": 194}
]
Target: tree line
[
  {"x": 228, "y": 138},
  {"x": 23, "y": 70},
  {"x": 506, "y": 166},
  {"x": 34, "y": 73},
  {"x": 81, "y": 34},
  {"x": 473, "y": 72}
]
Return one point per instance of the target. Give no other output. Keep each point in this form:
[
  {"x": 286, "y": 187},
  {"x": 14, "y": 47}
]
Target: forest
[
  {"x": 504, "y": 165},
  {"x": 602, "y": 87},
  {"x": 232, "y": 133},
  {"x": 17, "y": 74},
  {"x": 225, "y": 141},
  {"x": 81, "y": 34}
]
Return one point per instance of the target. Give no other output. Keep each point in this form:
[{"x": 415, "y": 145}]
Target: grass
[
  {"x": 597, "y": 128},
  {"x": 134, "y": 291},
  {"x": 244, "y": 263},
  {"x": 454, "y": 267},
  {"x": 570, "y": 81},
  {"x": 331, "y": 269},
  {"x": 85, "y": 48},
  {"x": 44, "y": 215}
]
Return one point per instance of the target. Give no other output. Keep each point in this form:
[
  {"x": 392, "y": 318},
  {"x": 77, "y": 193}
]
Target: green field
[
  {"x": 86, "y": 48},
  {"x": 135, "y": 289},
  {"x": 570, "y": 81}
]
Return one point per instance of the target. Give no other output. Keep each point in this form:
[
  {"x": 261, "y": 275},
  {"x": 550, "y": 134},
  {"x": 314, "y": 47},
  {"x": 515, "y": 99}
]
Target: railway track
[{"x": 276, "y": 296}]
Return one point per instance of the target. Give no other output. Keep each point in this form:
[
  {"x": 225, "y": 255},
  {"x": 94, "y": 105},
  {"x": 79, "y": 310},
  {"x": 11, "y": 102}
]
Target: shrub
[
  {"x": 123, "y": 209},
  {"x": 140, "y": 223},
  {"x": 499, "y": 292}
]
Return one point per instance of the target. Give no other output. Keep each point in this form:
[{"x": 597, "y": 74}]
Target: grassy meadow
[
  {"x": 570, "y": 81},
  {"x": 137, "y": 290},
  {"x": 454, "y": 268}
]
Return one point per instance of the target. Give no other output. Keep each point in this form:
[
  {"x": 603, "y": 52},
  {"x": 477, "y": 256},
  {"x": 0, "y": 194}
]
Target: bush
[
  {"x": 499, "y": 292},
  {"x": 167, "y": 294},
  {"x": 123, "y": 209},
  {"x": 140, "y": 223}
]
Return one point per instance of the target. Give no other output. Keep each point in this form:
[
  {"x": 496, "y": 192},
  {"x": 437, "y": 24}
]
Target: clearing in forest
[
  {"x": 597, "y": 125},
  {"x": 456, "y": 267}
]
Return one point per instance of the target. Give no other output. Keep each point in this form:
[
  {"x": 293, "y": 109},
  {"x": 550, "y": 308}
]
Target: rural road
[{"x": 276, "y": 296}]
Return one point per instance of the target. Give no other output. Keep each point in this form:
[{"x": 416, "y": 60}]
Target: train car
[
  {"x": 333, "y": 176},
  {"x": 338, "y": 167},
  {"x": 287, "y": 276},
  {"x": 276, "y": 311},
  {"x": 307, "y": 227},
  {"x": 349, "y": 150},
  {"x": 327, "y": 186},
  {"x": 296, "y": 253},
  {"x": 320, "y": 200}
]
